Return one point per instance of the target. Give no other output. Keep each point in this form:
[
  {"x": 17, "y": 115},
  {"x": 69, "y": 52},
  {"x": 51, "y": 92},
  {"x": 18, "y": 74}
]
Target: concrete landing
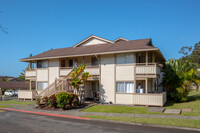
[
  {"x": 156, "y": 109},
  {"x": 172, "y": 111}
]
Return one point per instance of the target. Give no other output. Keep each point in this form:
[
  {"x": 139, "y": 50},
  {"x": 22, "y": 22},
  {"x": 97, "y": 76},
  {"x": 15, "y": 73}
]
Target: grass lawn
[
  {"x": 160, "y": 121},
  {"x": 16, "y": 102},
  {"x": 5, "y": 106},
  {"x": 194, "y": 103},
  {"x": 119, "y": 109}
]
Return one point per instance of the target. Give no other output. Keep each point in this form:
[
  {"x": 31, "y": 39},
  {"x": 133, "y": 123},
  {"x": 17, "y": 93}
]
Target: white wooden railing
[
  {"x": 149, "y": 68},
  {"x": 30, "y": 73}
]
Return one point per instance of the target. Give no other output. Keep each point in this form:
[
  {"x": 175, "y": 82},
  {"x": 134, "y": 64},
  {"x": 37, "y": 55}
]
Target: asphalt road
[{"x": 16, "y": 122}]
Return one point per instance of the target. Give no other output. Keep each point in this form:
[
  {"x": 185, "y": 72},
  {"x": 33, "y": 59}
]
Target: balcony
[
  {"x": 64, "y": 71},
  {"x": 149, "y": 70},
  {"x": 30, "y": 74}
]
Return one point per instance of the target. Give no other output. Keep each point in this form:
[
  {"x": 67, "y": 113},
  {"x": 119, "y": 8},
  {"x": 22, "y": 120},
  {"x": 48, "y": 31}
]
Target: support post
[
  {"x": 30, "y": 87},
  {"x": 134, "y": 65},
  {"x": 146, "y": 85}
]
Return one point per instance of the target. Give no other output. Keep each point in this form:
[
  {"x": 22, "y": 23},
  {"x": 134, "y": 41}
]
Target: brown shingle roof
[
  {"x": 94, "y": 49},
  {"x": 16, "y": 85}
]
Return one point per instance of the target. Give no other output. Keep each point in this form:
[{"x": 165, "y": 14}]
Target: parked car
[
  {"x": 16, "y": 93},
  {"x": 9, "y": 93}
]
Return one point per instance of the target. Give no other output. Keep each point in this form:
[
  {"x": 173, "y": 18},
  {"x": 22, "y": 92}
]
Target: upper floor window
[
  {"x": 63, "y": 63},
  {"x": 71, "y": 63},
  {"x": 42, "y": 64},
  {"x": 124, "y": 58},
  {"x": 95, "y": 61}
]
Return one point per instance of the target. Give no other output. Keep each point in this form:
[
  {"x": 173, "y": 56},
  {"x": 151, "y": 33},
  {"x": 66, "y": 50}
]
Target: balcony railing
[
  {"x": 30, "y": 73},
  {"x": 147, "y": 69},
  {"x": 64, "y": 71},
  {"x": 93, "y": 70}
]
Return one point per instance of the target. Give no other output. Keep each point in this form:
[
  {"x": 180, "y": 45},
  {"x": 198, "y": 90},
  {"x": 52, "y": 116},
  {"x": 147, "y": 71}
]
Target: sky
[{"x": 35, "y": 26}]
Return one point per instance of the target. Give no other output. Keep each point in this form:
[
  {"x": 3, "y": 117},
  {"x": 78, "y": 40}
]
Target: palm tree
[
  {"x": 77, "y": 80},
  {"x": 177, "y": 78}
]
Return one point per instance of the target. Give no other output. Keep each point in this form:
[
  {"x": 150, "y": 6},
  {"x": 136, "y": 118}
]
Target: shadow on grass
[
  {"x": 190, "y": 99},
  {"x": 194, "y": 98}
]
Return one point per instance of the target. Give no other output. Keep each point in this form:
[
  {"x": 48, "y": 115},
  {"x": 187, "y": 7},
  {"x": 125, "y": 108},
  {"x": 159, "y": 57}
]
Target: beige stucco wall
[
  {"x": 107, "y": 87},
  {"x": 42, "y": 74},
  {"x": 93, "y": 41},
  {"x": 124, "y": 72},
  {"x": 53, "y": 70}
]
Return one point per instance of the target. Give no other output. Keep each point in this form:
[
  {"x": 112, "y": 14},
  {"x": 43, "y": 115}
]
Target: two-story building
[{"x": 123, "y": 71}]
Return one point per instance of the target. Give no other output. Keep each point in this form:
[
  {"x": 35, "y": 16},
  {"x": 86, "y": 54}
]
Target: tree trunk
[{"x": 197, "y": 87}]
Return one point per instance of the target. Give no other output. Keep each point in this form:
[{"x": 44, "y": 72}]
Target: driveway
[{"x": 16, "y": 122}]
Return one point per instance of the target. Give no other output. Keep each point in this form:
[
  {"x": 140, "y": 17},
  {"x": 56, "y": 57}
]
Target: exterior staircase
[{"x": 59, "y": 85}]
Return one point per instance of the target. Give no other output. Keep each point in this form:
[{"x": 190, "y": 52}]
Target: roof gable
[
  {"x": 92, "y": 40},
  {"x": 120, "y": 39}
]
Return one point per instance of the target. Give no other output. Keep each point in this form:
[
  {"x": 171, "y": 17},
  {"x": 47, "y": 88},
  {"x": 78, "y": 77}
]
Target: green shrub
[
  {"x": 52, "y": 101},
  {"x": 73, "y": 100},
  {"x": 63, "y": 99},
  {"x": 38, "y": 100},
  {"x": 45, "y": 101}
]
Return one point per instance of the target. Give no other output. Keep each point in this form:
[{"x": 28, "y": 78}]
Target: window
[
  {"x": 124, "y": 87},
  {"x": 95, "y": 61},
  {"x": 42, "y": 85},
  {"x": 63, "y": 63},
  {"x": 71, "y": 63},
  {"x": 124, "y": 58},
  {"x": 42, "y": 64}
]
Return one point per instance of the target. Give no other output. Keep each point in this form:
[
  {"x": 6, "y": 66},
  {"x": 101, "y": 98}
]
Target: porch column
[
  {"x": 30, "y": 87},
  {"x": 134, "y": 65},
  {"x": 157, "y": 84},
  {"x": 146, "y": 57},
  {"x": 146, "y": 85},
  {"x": 31, "y": 65}
]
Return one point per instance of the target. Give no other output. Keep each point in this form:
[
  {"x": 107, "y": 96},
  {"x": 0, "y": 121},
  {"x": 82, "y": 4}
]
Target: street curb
[
  {"x": 110, "y": 121},
  {"x": 146, "y": 124},
  {"x": 47, "y": 114}
]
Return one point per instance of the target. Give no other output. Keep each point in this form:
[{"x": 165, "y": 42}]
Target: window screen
[{"x": 124, "y": 87}]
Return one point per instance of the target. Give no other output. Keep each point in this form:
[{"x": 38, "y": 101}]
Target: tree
[
  {"x": 177, "y": 78},
  {"x": 191, "y": 53},
  {"x": 22, "y": 75},
  {"x": 78, "y": 80},
  {"x": 4, "y": 79},
  {"x": 195, "y": 55}
]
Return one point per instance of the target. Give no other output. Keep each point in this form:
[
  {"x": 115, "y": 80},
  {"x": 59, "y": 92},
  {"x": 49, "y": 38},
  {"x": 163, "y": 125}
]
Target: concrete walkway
[{"x": 76, "y": 112}]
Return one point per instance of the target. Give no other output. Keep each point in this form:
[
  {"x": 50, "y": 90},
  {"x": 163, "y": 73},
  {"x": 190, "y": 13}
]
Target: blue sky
[{"x": 35, "y": 26}]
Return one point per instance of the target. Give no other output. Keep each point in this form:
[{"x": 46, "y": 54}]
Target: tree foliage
[
  {"x": 178, "y": 76},
  {"x": 191, "y": 53}
]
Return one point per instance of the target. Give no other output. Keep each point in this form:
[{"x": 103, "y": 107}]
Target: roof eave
[{"x": 101, "y": 53}]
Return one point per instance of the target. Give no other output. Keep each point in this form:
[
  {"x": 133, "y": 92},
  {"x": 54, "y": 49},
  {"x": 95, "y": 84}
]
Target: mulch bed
[{"x": 59, "y": 109}]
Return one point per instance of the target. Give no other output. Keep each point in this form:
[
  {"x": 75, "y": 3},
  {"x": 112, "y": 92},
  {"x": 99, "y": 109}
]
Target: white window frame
[
  {"x": 43, "y": 85},
  {"x": 124, "y": 58},
  {"x": 125, "y": 89},
  {"x": 43, "y": 64}
]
